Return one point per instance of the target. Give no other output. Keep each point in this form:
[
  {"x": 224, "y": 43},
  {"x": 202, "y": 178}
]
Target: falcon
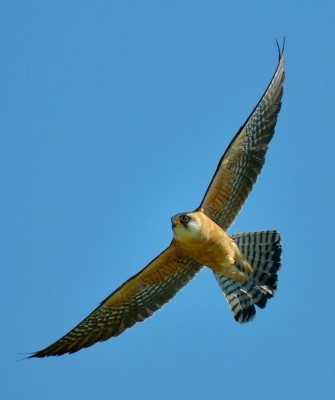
[{"x": 245, "y": 265}]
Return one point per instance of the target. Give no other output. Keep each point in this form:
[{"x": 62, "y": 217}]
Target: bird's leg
[{"x": 236, "y": 268}]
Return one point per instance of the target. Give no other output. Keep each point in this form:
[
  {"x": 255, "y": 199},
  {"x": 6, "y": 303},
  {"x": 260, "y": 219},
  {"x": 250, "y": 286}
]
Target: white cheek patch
[{"x": 193, "y": 227}]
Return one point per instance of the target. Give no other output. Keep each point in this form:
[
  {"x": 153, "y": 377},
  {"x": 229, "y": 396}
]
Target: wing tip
[{"x": 280, "y": 48}]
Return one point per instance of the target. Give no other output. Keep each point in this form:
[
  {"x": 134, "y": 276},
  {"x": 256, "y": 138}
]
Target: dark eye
[{"x": 184, "y": 219}]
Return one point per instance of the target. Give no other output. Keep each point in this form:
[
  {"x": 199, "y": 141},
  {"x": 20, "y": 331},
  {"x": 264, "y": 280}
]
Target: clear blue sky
[{"x": 113, "y": 118}]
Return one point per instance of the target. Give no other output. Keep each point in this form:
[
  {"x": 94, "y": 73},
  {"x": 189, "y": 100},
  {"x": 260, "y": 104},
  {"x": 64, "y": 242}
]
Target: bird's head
[{"x": 185, "y": 226}]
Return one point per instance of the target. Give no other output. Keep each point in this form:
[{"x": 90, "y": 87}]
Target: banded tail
[{"x": 263, "y": 252}]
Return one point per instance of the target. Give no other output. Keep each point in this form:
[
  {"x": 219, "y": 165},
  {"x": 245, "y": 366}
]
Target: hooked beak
[{"x": 173, "y": 222}]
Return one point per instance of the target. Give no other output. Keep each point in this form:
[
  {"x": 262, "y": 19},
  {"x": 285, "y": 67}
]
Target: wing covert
[
  {"x": 244, "y": 158},
  {"x": 137, "y": 299}
]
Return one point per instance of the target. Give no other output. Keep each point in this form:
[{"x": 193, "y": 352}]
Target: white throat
[{"x": 189, "y": 232}]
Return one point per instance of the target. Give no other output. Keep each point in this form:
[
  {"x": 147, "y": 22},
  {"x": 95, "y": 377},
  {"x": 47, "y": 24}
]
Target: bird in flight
[{"x": 245, "y": 265}]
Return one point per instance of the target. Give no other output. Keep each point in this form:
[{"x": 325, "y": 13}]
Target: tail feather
[{"x": 263, "y": 252}]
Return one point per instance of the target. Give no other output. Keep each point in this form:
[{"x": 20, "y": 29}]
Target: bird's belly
[{"x": 216, "y": 254}]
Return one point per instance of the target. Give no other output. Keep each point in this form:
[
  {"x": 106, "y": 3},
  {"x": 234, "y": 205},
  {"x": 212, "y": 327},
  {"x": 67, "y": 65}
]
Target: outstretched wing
[
  {"x": 245, "y": 156},
  {"x": 137, "y": 299}
]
